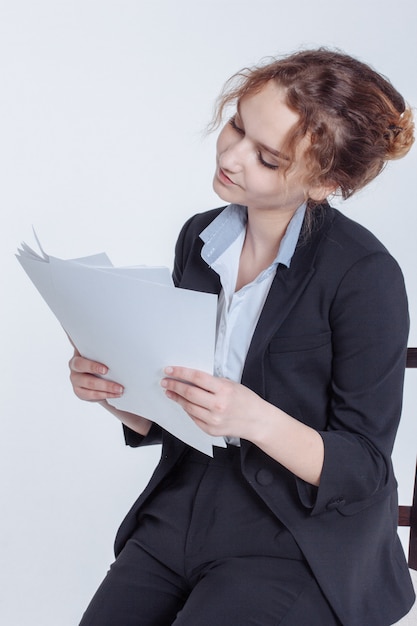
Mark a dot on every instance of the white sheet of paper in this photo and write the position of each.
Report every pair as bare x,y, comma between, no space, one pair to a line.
136,322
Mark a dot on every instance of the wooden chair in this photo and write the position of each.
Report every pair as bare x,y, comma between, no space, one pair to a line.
407,515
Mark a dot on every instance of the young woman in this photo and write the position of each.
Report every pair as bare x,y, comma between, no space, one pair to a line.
294,523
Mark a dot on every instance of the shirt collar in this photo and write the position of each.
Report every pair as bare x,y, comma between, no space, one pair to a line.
224,229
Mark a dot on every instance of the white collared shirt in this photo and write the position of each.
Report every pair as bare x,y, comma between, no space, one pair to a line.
238,311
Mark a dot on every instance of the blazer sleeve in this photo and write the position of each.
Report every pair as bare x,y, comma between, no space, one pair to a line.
181,253
369,321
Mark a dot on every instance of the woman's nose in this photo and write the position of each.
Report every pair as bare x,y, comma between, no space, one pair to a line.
232,157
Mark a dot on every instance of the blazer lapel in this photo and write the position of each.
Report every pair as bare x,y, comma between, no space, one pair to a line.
283,294
198,276
288,285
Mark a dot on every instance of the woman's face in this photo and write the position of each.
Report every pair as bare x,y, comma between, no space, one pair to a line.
249,157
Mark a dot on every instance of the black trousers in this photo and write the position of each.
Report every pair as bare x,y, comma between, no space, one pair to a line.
208,551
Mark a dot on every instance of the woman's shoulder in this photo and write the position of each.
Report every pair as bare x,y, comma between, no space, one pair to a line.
345,251
344,235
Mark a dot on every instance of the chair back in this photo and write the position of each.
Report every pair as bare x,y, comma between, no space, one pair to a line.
407,515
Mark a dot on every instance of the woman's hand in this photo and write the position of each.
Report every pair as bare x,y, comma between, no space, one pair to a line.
87,385
218,406
86,381
224,408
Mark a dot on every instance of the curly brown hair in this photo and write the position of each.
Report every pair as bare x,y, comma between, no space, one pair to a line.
354,118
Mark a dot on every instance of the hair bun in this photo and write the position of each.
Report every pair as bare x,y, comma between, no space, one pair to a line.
400,135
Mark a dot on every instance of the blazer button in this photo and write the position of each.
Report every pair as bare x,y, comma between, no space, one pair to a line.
264,477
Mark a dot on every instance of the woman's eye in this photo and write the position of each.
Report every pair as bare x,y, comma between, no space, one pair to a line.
235,127
265,163
239,130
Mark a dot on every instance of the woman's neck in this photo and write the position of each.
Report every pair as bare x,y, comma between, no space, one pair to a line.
264,233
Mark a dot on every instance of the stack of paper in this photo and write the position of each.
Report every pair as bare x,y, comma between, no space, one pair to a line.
136,322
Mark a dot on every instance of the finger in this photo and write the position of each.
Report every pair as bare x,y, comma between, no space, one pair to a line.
195,377
94,396
197,413
80,364
190,393
201,416
89,387
93,383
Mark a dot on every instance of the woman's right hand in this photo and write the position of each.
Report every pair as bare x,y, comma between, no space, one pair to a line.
86,381
87,385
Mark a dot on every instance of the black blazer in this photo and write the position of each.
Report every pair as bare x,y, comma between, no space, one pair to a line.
329,349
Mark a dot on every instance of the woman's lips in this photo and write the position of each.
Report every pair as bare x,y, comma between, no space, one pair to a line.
223,178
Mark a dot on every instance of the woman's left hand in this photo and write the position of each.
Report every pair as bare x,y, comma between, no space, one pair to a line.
224,408
218,406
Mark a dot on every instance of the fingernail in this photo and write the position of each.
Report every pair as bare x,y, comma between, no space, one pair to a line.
168,370
102,369
164,382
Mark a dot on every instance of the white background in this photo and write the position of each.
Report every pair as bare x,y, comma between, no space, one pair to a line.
103,107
